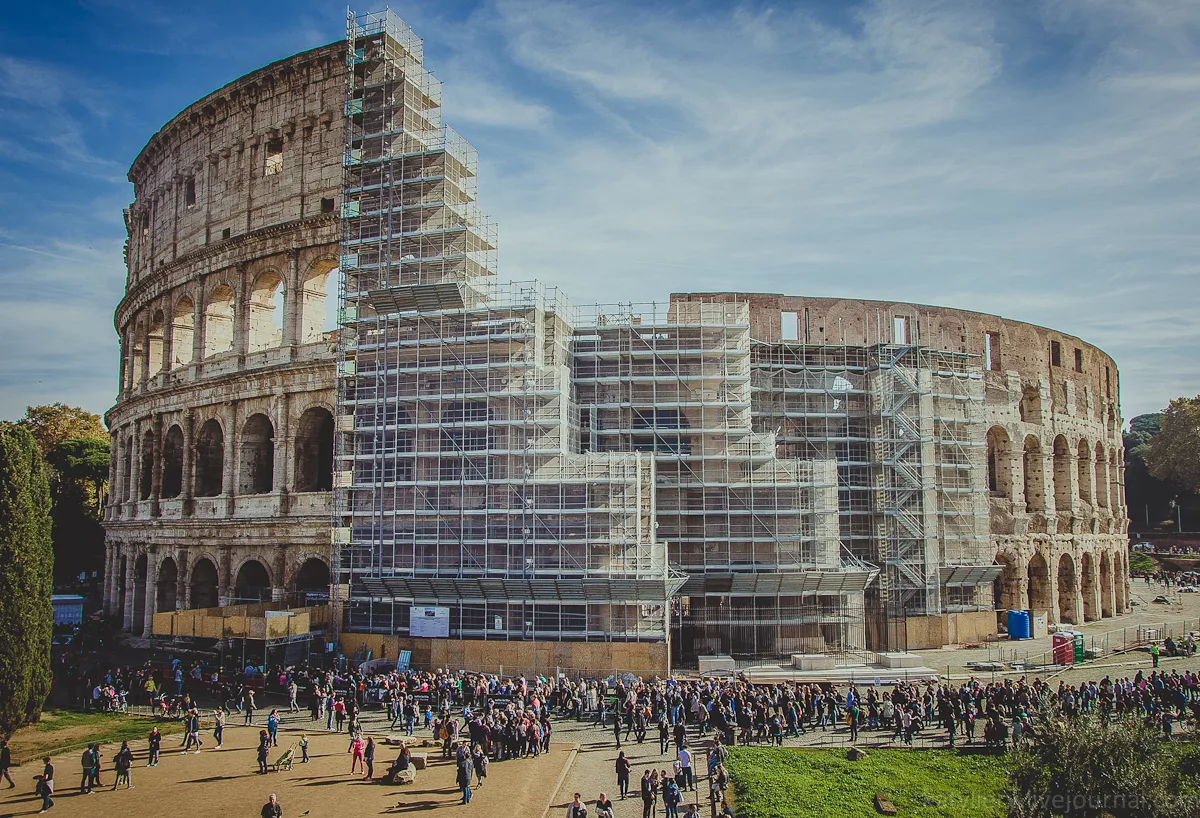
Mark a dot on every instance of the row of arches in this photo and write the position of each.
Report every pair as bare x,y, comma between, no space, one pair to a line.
1071,588
255,472
1095,472
144,589
163,338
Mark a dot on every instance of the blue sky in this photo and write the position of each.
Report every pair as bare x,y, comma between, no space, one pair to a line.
1040,160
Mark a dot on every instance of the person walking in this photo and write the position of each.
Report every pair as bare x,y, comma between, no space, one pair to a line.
218,727
369,758
86,762
647,795
685,766
1154,653
293,690
123,763
154,747
623,768
5,763
576,809
303,748
264,748
271,809
617,728
273,727
356,747
465,771
604,807
248,707
44,789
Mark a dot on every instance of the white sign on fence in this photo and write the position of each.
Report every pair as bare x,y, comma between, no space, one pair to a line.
431,621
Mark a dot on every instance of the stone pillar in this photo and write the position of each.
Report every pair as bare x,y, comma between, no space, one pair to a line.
107,605
283,448
1094,594
225,580
151,588
1022,588
130,567
157,468
1052,586
1078,590
280,572
233,447
188,489
198,326
181,581
293,301
241,313
135,479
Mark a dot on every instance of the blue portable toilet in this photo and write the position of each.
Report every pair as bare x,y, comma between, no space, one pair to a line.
1018,625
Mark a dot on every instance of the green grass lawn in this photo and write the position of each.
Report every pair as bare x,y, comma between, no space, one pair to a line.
61,729
782,783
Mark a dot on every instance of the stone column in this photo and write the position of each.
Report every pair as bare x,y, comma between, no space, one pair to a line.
1094,594
241,313
181,582
283,448
1052,586
198,326
277,587
151,588
107,605
1022,587
157,468
232,452
188,489
130,566
293,301
225,580
135,480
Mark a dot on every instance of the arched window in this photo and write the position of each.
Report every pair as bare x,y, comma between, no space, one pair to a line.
1083,462
257,472
137,348
210,459
1035,498
147,471
172,479
218,321
318,307
203,586
1101,476
253,583
1062,474
999,462
312,581
266,312
314,451
183,332
168,577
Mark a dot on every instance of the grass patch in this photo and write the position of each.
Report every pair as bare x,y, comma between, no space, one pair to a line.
782,782
60,730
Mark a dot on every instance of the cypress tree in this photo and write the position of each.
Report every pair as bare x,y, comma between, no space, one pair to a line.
26,579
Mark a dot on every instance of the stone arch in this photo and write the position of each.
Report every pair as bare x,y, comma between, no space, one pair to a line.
210,459
256,473
1034,482
1062,474
1007,588
314,450
266,311
1106,585
1068,589
999,462
139,594
218,321
172,459
1101,476
1038,576
146,473
312,577
1089,587
1083,460
252,582
183,332
155,333
168,582
205,581
317,290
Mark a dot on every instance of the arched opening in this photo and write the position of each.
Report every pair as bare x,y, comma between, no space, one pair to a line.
312,582
1031,404
314,451
172,479
257,472
203,588
1038,575
253,583
146,475
218,321
1062,475
1035,497
1006,591
1101,477
1083,460
1088,586
1106,585
183,332
266,311
127,488
999,462
154,343
139,595
1068,589
168,578
137,349
210,459
318,305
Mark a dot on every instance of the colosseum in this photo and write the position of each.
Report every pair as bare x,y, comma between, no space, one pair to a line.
326,395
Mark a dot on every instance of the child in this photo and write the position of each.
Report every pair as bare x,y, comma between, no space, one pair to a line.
428,716
303,749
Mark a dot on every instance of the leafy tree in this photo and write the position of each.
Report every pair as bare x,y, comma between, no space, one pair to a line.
84,463
1085,767
26,569
1149,499
55,423
1174,453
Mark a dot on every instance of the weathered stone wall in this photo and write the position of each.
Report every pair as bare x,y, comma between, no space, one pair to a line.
221,430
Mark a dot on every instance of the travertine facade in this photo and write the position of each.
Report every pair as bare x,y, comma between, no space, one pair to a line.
781,453
222,432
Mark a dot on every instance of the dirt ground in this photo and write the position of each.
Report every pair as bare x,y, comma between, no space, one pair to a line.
225,783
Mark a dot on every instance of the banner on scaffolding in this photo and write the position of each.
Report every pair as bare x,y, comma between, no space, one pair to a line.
429,621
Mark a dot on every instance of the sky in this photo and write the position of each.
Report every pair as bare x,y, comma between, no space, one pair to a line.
1039,159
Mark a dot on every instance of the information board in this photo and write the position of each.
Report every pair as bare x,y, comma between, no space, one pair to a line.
431,621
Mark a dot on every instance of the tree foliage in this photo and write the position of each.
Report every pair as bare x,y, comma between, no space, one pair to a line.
55,423
83,463
1086,767
1174,453
26,570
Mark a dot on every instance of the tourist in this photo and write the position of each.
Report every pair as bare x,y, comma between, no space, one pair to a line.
154,748
303,743
623,768
648,794
218,726
5,763
248,707
271,809
264,749
369,757
685,765
356,747
480,760
576,808
44,789
293,690
86,762
122,763
465,771
604,807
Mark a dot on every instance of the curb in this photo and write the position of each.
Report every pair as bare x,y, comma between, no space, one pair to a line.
561,778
